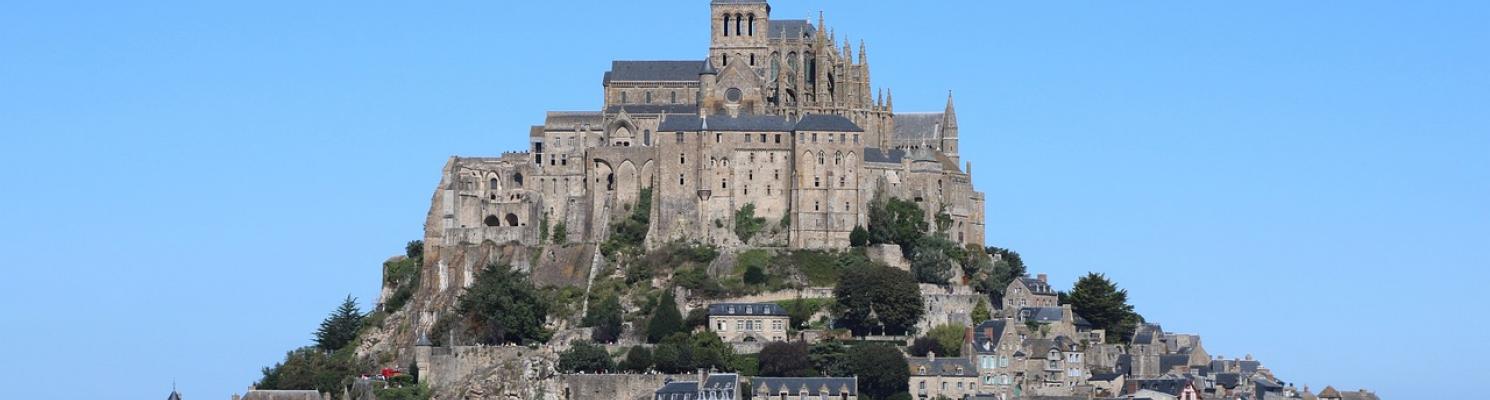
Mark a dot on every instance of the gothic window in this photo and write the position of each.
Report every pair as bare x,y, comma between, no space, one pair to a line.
838,158
738,23
623,97
752,28
820,157
726,24
647,137
492,185
675,100
511,219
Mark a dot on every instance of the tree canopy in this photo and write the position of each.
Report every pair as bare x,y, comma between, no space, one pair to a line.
605,319
1102,303
892,220
503,307
340,328
873,297
785,359
882,370
666,320
585,357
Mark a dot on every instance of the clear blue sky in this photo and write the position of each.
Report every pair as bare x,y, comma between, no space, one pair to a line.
191,187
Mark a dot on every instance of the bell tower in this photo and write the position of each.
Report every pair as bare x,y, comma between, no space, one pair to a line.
739,30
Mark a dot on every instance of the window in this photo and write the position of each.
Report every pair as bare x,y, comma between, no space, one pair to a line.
751,31
738,23
647,97
776,174
841,181
739,325
752,59
682,159
679,138
820,158
856,138
726,24
845,206
647,137
801,138
772,156
724,184
752,157
814,137
840,138
675,101
768,190
817,181
750,175
747,189
763,138
680,179
814,206
778,138
623,97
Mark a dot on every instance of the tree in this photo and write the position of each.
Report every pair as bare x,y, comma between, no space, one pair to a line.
340,328
710,352
859,237
638,359
674,354
829,358
786,359
503,307
881,369
925,345
746,223
949,338
1102,303
1008,267
585,357
605,318
799,311
931,262
874,297
310,368
561,234
896,221
414,249
755,275
666,320
981,312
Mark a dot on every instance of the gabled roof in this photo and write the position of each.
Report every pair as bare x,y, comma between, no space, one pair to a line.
677,391
835,386
826,122
769,309
721,382
1148,334
1170,386
653,108
571,120
1036,286
791,28
654,71
942,366
986,336
1042,314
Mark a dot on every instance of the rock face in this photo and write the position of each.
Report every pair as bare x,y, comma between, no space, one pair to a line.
482,372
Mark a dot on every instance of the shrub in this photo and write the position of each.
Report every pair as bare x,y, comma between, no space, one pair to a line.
666,320
605,319
561,234
785,359
585,357
859,237
746,223
503,307
638,359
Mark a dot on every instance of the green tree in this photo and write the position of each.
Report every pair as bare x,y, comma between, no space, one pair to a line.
310,368
981,312
859,237
414,249
561,234
799,311
896,221
503,307
543,229
746,223
875,297
829,358
585,357
638,359
605,318
1005,270
1102,303
710,352
925,345
932,262
949,338
755,275
882,370
785,359
674,354
666,320
340,328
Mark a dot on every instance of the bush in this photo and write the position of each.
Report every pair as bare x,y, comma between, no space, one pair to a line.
746,223
896,221
948,338
638,359
585,357
859,237
786,359
605,319
925,345
310,368
881,369
414,249
628,235
876,298
561,234
666,320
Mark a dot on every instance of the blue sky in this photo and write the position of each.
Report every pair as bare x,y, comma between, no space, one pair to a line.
192,186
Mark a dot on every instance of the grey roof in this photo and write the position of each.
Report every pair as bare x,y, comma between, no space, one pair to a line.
654,71
1249,366
281,395
826,122
653,108
1104,377
570,120
986,336
743,123
917,126
677,391
1040,348
771,309
1124,364
813,386
1167,362
1041,314
174,395
1081,322
1036,286
1148,334
942,366
875,154
791,28
1230,380
1170,386
721,382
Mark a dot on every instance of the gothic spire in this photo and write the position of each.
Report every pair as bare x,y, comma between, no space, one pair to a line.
950,115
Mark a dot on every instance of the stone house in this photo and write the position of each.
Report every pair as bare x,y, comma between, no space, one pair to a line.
932,377
749,322
992,348
1169,388
815,388
1029,292
1053,367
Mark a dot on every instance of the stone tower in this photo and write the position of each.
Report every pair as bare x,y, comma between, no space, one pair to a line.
739,32
949,131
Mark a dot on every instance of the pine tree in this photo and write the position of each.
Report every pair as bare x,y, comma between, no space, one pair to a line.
666,319
981,312
340,328
1097,299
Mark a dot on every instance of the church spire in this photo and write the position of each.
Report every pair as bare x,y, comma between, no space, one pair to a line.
863,55
949,116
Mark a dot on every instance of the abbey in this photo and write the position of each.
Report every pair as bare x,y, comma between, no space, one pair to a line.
779,116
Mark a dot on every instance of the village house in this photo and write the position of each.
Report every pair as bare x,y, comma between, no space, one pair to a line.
992,347
933,377
748,322
1026,292
707,387
815,388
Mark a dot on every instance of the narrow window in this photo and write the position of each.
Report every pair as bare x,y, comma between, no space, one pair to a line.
647,97
816,181
752,59
725,63
747,138
752,27
763,138
680,138
768,190
726,24
750,175
778,138
724,184
647,137
814,137
747,189
718,138
623,97
776,174
841,181
738,23
675,101
682,159
845,206
814,206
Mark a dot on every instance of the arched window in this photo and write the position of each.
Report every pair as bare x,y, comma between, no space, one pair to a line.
492,185
819,157
492,220
726,24
738,23
752,26
511,219
838,158
647,137
518,179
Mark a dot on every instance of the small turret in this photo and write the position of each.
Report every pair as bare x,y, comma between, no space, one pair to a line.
949,130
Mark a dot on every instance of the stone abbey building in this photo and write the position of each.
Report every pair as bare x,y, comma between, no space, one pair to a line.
778,115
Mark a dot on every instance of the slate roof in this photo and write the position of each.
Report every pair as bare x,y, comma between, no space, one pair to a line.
1249,366
1170,386
986,336
743,123
942,366
917,126
654,71
1035,285
677,391
791,28
571,120
1167,362
715,382
1041,314
653,108
1230,380
814,387
875,154
1148,334
830,123
770,309
1103,377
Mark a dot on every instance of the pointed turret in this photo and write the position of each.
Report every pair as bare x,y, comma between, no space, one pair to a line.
863,55
949,130
890,100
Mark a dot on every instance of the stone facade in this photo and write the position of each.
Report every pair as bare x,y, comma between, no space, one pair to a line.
748,322
950,377
778,116
1028,292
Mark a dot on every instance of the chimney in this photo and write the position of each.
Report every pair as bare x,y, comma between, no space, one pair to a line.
701,376
1041,277
931,356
